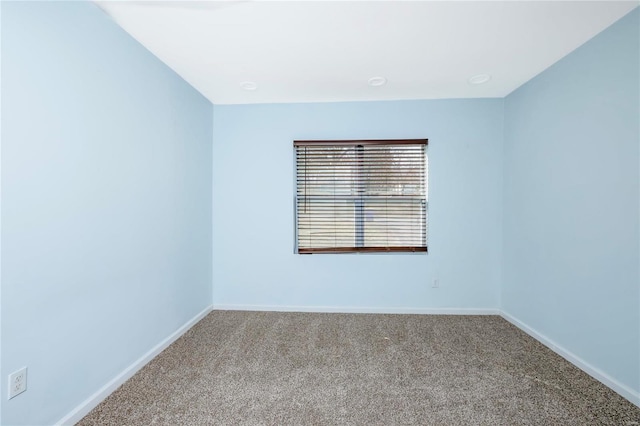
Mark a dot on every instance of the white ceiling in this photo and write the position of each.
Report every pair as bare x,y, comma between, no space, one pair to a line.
317,51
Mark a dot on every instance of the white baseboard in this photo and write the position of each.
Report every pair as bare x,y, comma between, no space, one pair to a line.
358,310
594,372
90,403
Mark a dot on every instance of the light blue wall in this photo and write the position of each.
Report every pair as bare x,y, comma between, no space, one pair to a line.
253,222
571,240
106,204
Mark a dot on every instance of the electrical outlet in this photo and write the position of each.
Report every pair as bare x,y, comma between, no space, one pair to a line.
435,283
17,382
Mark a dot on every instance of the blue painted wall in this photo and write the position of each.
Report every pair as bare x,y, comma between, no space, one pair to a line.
253,222
106,204
571,240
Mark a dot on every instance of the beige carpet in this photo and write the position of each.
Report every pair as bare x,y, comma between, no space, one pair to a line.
268,368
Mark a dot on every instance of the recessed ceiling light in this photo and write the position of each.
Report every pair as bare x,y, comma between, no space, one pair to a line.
377,81
479,79
248,85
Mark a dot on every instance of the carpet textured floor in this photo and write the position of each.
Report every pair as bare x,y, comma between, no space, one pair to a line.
275,368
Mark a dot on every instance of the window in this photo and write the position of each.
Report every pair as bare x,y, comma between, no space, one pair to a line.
361,196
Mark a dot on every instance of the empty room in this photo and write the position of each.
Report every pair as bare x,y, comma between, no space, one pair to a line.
319,212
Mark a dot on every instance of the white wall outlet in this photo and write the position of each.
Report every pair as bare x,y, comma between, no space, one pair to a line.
17,382
435,283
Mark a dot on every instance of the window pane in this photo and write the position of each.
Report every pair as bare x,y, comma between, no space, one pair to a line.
394,222
325,223
393,170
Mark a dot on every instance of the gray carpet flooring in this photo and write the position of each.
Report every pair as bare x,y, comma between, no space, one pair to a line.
270,368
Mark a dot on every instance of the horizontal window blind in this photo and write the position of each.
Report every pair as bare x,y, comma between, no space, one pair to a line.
361,196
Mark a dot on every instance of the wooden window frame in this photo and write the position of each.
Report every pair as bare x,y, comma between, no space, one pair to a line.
359,249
